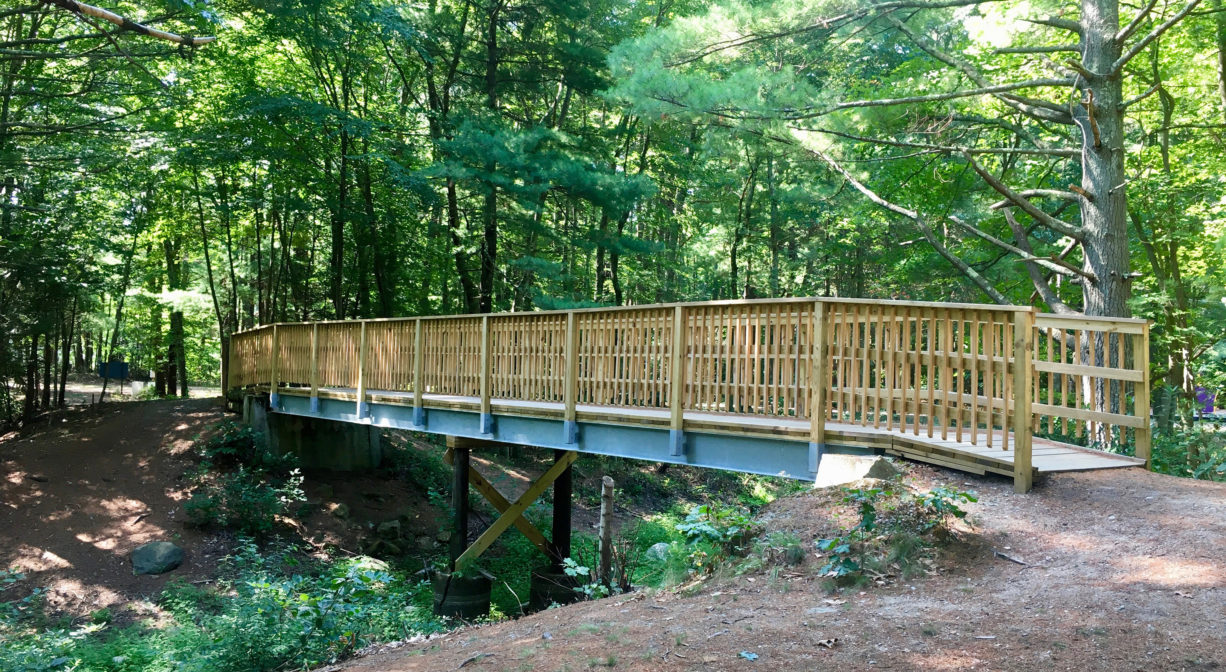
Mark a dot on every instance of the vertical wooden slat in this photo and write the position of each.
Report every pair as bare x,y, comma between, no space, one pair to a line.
974,391
891,382
930,410
961,372
1007,381
946,344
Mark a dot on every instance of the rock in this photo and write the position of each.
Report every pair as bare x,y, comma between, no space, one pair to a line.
821,610
156,557
659,552
389,530
443,536
426,542
341,511
842,469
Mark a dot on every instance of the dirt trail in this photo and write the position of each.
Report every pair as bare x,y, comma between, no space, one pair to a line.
1124,570
77,497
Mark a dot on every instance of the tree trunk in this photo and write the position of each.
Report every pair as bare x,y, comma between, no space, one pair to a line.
1104,213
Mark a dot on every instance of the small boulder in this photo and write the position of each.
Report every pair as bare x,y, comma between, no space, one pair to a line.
659,552
341,511
389,530
156,557
838,469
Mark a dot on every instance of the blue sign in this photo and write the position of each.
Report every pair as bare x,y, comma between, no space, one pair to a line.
115,370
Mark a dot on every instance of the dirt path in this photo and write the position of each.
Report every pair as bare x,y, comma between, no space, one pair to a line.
76,498
1125,571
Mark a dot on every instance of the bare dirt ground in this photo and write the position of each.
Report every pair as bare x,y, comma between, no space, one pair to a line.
77,496
1124,570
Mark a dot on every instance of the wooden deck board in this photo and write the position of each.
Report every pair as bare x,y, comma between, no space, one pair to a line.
1048,456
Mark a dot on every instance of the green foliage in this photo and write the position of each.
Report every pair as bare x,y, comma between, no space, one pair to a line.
242,485
726,527
259,618
894,530
1196,450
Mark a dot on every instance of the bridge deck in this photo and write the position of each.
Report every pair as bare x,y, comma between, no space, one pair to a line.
1048,456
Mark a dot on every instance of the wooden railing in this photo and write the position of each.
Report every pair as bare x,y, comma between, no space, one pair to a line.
925,369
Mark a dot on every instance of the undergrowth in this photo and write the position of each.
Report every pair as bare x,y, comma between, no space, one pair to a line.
895,530
271,610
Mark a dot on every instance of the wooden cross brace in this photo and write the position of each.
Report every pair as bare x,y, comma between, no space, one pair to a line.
511,513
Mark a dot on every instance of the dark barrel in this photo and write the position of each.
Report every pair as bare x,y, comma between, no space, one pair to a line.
461,596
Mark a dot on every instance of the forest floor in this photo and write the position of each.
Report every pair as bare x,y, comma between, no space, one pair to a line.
1112,570
1109,570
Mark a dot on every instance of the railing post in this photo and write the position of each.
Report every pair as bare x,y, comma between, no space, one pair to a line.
676,434
570,425
1141,358
274,399
1023,377
315,368
819,378
419,383
363,409
487,417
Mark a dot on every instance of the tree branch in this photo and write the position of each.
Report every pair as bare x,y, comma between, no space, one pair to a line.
1026,256
1136,22
1055,49
1025,204
1038,109
99,13
1041,284
1154,34
925,229
1031,193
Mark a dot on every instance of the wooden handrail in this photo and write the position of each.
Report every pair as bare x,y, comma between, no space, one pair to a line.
964,372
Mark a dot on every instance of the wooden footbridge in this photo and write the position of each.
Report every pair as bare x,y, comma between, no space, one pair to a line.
755,386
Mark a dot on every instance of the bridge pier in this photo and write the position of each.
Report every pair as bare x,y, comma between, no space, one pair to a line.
318,443
563,500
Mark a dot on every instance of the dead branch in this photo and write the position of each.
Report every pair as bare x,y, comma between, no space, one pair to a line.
111,17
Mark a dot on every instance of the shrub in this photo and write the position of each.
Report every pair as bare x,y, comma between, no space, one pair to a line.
245,501
894,530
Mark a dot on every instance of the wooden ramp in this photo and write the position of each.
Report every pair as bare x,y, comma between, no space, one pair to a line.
967,386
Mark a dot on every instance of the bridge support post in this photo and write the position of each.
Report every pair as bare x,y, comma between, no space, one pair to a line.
819,377
459,502
419,383
676,383
1023,379
563,490
315,368
570,427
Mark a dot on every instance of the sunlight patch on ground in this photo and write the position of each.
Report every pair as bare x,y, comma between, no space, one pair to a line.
943,660
33,559
1170,572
